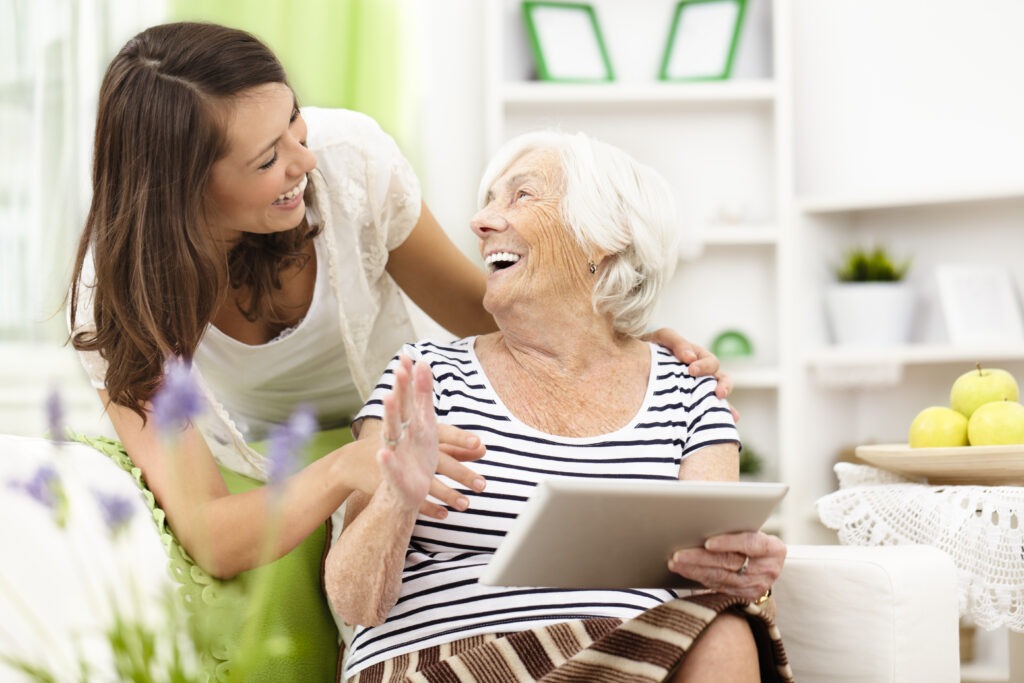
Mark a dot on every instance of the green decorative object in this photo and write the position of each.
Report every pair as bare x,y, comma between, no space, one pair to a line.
732,344
751,464
566,42
863,264
702,41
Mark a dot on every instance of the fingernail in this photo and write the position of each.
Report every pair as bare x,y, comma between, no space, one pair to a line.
461,503
441,513
473,442
479,484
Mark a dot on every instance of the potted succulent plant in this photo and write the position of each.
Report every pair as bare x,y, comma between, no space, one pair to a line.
870,304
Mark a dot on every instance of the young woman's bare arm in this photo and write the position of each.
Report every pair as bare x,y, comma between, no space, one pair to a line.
439,278
227,533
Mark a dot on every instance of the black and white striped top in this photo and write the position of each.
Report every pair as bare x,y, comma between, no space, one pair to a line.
441,599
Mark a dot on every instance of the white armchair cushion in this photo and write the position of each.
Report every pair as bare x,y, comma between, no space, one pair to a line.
60,586
878,614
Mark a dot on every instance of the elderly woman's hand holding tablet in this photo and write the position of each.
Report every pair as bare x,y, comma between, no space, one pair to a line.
578,240
744,564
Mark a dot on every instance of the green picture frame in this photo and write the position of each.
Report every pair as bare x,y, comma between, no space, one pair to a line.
566,42
702,40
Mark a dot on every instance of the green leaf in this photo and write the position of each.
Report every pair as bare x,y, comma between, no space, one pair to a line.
871,265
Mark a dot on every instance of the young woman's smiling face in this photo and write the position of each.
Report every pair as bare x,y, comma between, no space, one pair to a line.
258,185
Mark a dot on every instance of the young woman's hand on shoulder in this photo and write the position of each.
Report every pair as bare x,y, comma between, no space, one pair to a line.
700,361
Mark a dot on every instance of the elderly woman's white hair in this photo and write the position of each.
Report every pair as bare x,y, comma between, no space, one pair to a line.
614,205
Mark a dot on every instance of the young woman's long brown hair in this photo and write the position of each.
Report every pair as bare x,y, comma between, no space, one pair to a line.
158,269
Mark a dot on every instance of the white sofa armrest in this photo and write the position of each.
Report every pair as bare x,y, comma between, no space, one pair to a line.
878,614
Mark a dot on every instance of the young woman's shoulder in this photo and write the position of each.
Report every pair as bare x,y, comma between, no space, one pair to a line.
366,169
332,127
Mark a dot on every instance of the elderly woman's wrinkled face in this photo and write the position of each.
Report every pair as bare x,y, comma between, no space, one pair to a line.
530,254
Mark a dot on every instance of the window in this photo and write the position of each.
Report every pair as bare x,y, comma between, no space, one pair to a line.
52,57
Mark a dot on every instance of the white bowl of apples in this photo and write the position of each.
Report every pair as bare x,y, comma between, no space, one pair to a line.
977,439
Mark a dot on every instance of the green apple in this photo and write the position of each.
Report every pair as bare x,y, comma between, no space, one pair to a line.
938,427
977,387
997,423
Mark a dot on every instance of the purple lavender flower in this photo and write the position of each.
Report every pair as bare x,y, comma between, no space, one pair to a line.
179,399
117,510
45,488
287,441
55,414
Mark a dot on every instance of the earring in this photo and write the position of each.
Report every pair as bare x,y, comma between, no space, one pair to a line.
592,267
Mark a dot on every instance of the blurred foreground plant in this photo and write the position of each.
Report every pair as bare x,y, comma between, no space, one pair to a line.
174,646
140,645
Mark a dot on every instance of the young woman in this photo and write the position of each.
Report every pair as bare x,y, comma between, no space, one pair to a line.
268,246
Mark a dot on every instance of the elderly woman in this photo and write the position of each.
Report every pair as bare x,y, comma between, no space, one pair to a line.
578,240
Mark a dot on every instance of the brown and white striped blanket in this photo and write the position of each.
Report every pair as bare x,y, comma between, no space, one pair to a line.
644,649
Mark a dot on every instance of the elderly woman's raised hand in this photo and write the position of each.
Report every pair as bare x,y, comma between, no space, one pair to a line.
379,440
744,564
408,455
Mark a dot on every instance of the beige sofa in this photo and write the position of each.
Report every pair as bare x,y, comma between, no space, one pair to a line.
864,615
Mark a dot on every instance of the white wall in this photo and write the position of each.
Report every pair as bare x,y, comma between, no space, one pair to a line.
450,156
956,103
452,135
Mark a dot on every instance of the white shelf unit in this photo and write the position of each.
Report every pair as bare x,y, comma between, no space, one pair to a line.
849,396
716,143
725,235
847,123
907,145
818,144
632,94
900,141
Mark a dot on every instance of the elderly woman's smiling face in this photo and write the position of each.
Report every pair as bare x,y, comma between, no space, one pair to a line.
531,255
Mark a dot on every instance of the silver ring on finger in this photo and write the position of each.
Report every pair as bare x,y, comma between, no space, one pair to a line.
743,567
391,443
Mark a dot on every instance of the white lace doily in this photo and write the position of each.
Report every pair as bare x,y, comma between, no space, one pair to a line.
980,527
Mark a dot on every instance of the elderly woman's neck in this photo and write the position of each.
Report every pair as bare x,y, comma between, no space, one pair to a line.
563,345
569,377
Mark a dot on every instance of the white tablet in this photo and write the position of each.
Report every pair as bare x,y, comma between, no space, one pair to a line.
576,533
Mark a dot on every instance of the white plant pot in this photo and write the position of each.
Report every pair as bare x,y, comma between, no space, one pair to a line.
870,313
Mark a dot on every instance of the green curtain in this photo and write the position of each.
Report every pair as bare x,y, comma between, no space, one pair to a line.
356,54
